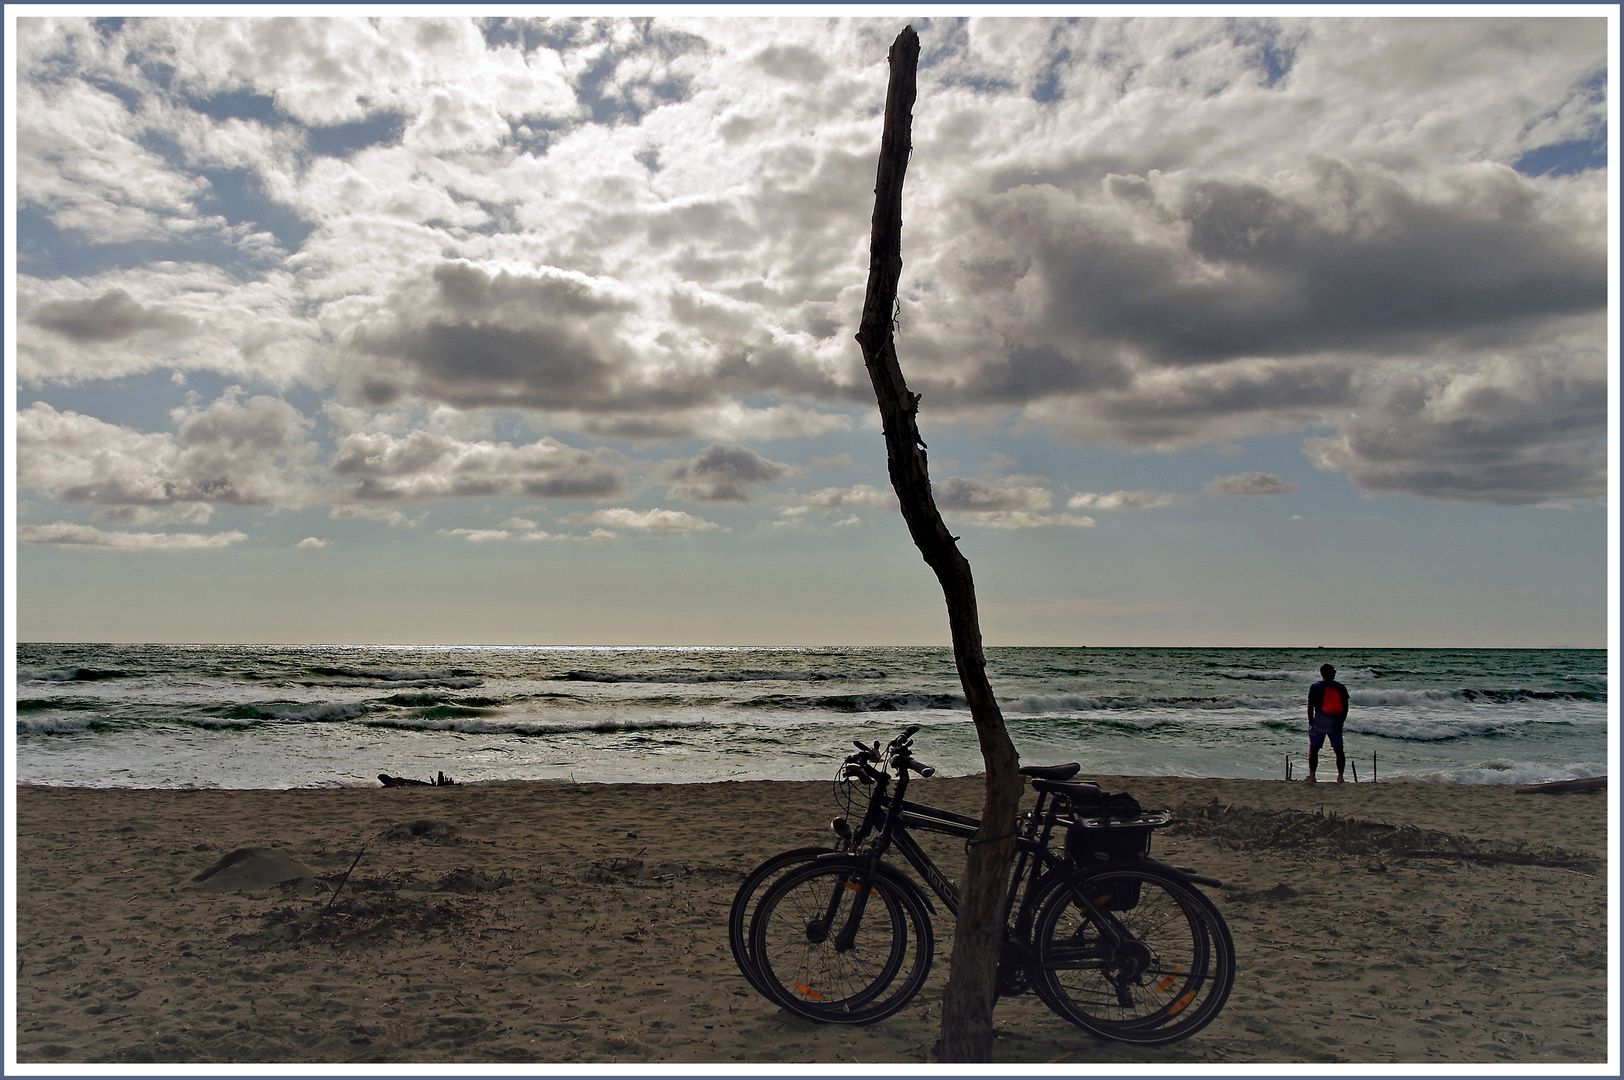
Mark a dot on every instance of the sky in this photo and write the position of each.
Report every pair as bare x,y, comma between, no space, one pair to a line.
485,330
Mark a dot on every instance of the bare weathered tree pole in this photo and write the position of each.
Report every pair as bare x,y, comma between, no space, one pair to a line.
967,1010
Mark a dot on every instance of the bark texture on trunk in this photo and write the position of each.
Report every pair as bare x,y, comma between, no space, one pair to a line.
967,1032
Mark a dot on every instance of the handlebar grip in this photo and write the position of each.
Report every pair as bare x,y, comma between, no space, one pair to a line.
905,762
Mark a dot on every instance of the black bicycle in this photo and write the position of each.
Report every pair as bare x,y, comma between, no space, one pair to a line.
1121,945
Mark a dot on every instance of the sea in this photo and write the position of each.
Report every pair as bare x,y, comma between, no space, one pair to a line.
290,716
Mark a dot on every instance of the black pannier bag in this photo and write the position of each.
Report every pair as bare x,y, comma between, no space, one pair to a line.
1110,827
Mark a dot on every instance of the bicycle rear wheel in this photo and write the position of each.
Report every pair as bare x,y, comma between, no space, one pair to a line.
748,898
797,949
1134,955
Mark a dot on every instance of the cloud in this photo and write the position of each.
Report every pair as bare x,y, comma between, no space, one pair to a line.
721,473
655,520
429,465
109,317
559,340
831,498
1506,433
1123,500
1155,233
250,452
65,534
1251,483
999,504
476,536
172,315
387,515
311,542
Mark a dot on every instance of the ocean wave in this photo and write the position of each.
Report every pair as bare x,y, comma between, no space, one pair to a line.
1489,696
1426,729
295,712
1502,772
857,703
1137,725
1085,703
450,682
70,674
423,701
388,676
1263,676
740,675
66,703
60,725
533,726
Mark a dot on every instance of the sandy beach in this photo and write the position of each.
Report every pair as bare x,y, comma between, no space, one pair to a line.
571,923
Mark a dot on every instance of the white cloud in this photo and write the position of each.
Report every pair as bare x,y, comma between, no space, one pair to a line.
311,542
831,498
66,534
426,465
1250,483
1123,500
1000,504
476,536
655,520
250,453
387,515
1151,232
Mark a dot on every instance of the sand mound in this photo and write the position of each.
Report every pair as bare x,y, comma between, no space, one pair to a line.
257,869
1253,829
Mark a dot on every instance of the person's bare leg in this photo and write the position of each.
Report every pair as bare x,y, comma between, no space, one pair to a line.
1340,763
1313,764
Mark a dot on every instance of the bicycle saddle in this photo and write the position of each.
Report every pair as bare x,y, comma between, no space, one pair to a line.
1085,792
1051,772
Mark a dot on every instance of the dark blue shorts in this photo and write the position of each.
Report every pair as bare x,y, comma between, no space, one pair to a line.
1323,727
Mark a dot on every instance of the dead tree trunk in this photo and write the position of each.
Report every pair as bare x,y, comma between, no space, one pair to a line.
967,1009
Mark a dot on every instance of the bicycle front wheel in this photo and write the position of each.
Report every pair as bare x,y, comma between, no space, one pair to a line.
748,898
1134,955
830,949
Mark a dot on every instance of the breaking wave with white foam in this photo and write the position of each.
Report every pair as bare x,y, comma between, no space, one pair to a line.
274,716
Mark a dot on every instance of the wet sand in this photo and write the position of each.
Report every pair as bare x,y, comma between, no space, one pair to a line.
574,923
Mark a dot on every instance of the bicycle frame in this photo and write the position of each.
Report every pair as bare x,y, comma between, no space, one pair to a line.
892,816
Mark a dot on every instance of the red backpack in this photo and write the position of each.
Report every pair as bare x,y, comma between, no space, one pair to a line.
1332,701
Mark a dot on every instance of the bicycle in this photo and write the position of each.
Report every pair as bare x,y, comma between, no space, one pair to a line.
1117,943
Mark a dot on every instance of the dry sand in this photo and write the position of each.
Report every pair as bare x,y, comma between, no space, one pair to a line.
558,922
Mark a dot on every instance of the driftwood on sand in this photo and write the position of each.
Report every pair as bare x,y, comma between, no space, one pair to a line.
440,780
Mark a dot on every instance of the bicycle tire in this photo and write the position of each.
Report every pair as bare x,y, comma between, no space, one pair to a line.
1151,974
748,898
793,944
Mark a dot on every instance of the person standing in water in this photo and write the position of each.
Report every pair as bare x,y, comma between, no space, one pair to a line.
1327,709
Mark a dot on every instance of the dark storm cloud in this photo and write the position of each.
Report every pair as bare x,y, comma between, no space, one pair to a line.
1355,262
109,317
721,473
1511,434
1210,403
558,341
1027,373
472,339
